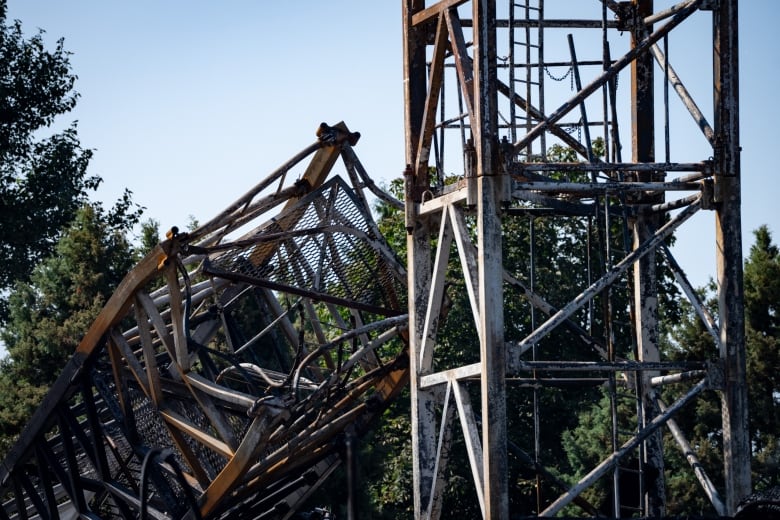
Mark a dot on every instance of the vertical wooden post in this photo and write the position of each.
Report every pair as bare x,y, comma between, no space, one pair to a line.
491,302
645,278
736,440
418,260
424,433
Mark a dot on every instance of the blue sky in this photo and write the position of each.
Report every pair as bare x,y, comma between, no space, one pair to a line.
189,103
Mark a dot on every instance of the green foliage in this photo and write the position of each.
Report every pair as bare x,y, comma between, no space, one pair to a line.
687,339
762,285
192,223
762,303
591,440
62,256
50,313
43,179
150,235
18,401
387,452
390,220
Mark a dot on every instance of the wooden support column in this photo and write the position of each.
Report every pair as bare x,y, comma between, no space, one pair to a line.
645,278
490,270
424,433
736,440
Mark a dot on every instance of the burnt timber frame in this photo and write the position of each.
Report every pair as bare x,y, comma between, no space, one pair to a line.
460,36
225,371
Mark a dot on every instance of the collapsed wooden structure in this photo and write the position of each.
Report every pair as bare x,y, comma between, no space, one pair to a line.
223,374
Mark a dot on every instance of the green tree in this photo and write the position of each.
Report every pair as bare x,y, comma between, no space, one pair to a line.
43,179
762,317
150,235
50,313
689,340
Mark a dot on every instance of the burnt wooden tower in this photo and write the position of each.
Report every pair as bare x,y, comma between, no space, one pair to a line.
482,109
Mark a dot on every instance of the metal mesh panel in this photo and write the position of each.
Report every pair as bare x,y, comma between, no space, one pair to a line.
211,461
154,432
324,246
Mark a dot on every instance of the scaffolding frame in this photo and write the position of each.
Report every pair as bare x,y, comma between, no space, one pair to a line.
502,176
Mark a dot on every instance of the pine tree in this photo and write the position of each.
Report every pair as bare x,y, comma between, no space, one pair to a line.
50,313
762,308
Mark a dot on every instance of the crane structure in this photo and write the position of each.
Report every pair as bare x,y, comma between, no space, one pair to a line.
481,100
231,368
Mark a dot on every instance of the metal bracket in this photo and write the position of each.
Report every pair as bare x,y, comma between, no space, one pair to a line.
716,379
708,5
626,16
333,134
708,194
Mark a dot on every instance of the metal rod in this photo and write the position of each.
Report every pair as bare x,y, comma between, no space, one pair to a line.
728,236
551,23
220,219
612,275
606,366
528,84
677,378
705,167
578,84
602,187
667,206
685,96
350,444
664,14
665,67
690,455
541,72
706,317
597,472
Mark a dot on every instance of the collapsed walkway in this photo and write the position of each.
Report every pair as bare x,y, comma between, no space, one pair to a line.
220,375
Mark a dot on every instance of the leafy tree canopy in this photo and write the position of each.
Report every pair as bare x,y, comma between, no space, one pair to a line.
43,179
50,313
